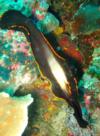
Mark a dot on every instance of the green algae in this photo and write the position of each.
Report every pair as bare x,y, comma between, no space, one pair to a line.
90,15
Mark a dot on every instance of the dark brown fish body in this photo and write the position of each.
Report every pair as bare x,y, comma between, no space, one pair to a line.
50,63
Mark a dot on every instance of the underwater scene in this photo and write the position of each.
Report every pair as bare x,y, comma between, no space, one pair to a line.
49,67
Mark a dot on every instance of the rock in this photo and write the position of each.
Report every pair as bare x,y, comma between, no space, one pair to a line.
25,6
87,19
13,114
48,24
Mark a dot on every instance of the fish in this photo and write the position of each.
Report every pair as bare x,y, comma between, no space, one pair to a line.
51,65
69,52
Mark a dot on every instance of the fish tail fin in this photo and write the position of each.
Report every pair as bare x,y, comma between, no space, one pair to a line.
73,103
78,115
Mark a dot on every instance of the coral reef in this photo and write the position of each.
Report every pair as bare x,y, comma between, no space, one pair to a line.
75,27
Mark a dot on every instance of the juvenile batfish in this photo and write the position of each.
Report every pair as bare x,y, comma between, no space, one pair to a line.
50,63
